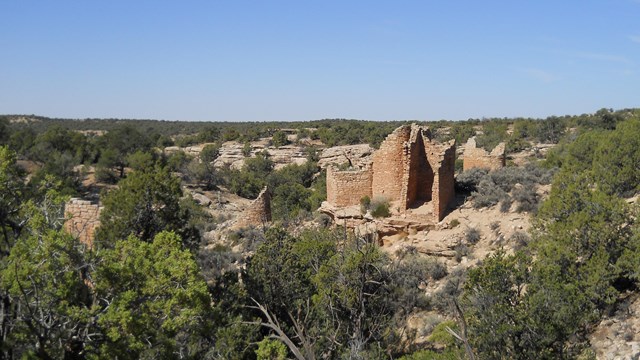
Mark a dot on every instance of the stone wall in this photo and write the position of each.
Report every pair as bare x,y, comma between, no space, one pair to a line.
258,212
389,163
444,159
418,174
82,217
475,157
345,188
410,167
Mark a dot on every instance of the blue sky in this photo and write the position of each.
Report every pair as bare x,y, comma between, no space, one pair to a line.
304,60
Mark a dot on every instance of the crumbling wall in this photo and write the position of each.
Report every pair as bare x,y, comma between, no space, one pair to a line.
345,188
410,167
443,160
82,217
389,163
475,157
418,172
258,212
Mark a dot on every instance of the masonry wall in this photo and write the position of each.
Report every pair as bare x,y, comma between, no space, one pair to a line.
258,212
443,158
409,167
418,172
345,188
475,157
82,219
389,163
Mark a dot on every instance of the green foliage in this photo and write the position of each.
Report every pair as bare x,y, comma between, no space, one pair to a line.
43,276
249,181
145,204
141,160
177,161
246,149
12,192
586,250
493,132
472,235
379,206
271,350
290,201
468,181
279,138
210,153
354,288
4,131
123,141
616,159
588,231
46,303
365,204
550,130
209,134
156,298
496,309
506,185
461,132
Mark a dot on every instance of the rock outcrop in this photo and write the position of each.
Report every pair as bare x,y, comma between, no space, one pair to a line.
618,336
357,155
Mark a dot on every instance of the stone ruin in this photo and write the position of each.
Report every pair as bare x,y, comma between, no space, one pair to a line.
475,157
82,217
409,168
258,212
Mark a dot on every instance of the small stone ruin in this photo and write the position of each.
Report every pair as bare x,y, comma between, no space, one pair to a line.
475,157
82,217
409,169
258,212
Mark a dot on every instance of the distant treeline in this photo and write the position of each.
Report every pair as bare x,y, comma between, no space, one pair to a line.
334,132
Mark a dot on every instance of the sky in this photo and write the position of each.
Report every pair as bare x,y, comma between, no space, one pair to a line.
286,60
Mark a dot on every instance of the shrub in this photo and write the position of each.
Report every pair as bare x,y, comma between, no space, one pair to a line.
472,235
461,251
458,166
520,240
488,194
380,207
323,220
527,199
454,223
494,225
365,204
467,181
271,350
505,204
279,139
246,149
105,175
451,289
437,270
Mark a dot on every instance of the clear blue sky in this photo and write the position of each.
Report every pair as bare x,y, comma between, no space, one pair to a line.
237,60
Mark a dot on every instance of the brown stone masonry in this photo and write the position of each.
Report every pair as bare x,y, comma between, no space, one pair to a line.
475,157
258,212
410,167
82,217
346,188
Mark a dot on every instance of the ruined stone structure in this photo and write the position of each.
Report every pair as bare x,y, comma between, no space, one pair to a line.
475,157
82,217
347,187
410,168
258,212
